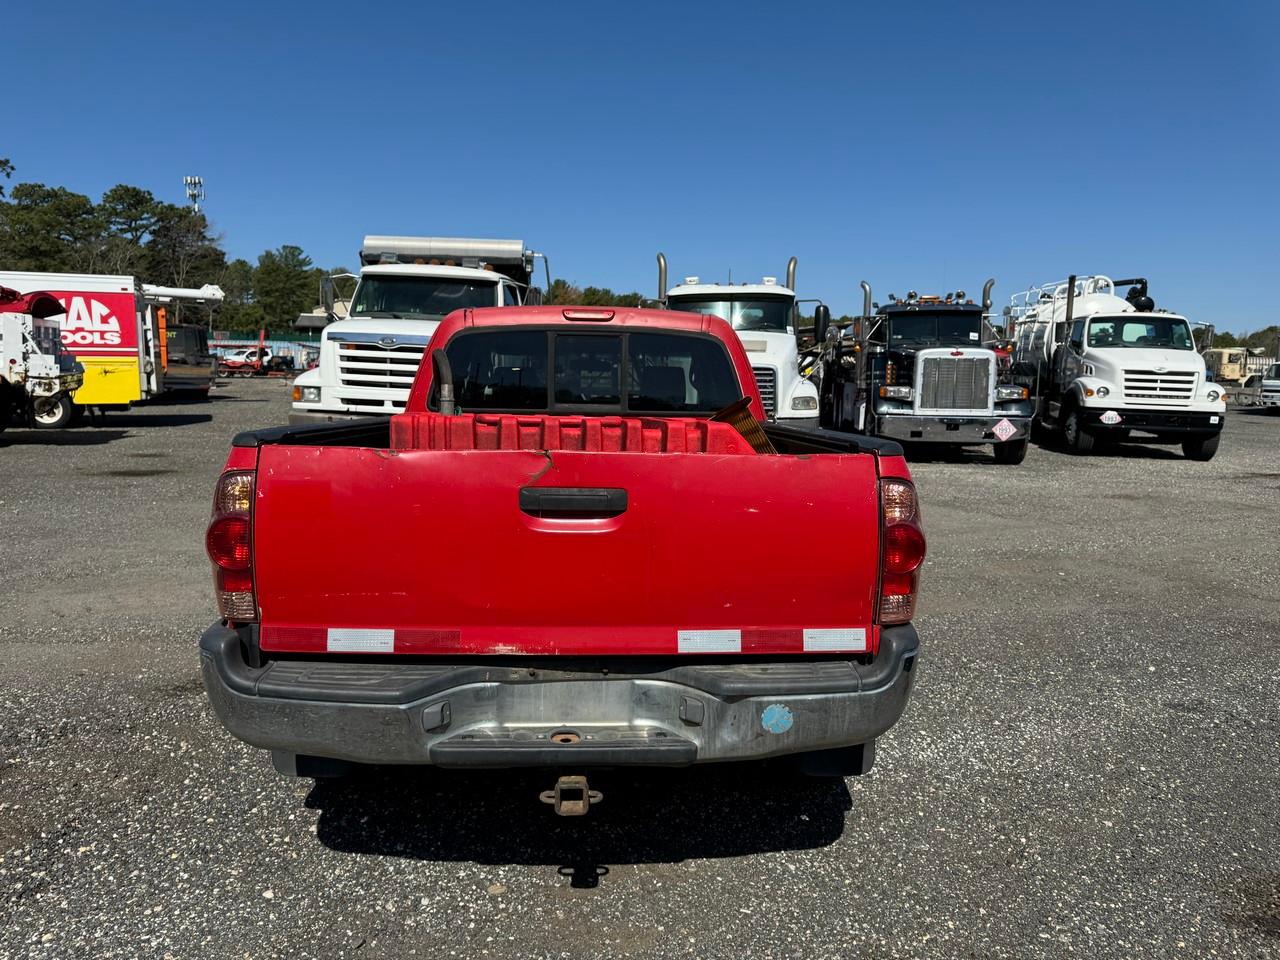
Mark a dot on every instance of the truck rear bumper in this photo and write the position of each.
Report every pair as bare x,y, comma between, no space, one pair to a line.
518,712
935,428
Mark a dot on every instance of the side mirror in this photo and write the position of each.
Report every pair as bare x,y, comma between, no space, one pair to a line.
326,295
821,323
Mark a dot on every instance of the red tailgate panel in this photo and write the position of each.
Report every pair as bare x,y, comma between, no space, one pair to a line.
429,552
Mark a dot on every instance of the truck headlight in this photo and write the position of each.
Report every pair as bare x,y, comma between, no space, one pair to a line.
1007,391
306,394
804,403
896,393
1103,391
1213,395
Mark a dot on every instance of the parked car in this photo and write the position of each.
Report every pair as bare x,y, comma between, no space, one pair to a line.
554,557
244,362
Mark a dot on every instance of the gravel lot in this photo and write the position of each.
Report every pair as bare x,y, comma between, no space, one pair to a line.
1088,767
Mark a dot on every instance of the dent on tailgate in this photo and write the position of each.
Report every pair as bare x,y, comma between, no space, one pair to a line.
429,552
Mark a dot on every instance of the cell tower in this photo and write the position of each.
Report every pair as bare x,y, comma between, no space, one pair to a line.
195,190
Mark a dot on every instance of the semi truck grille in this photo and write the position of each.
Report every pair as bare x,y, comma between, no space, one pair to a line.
1168,389
955,383
370,365
767,381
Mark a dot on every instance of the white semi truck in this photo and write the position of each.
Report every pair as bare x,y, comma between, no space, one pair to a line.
1104,367
764,315
407,286
37,375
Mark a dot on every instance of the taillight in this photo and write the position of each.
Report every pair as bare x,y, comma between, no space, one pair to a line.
229,543
902,549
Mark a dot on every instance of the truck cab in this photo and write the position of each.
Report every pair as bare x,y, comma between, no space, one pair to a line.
1269,392
407,286
926,370
1105,367
37,374
764,316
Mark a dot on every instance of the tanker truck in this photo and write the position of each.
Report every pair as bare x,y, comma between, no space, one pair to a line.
1108,369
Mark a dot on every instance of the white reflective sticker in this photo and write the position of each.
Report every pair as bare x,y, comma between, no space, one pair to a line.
709,641
1213,419
836,638
973,336
1004,429
1110,417
347,640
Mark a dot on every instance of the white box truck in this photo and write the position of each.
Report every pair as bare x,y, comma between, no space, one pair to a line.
407,286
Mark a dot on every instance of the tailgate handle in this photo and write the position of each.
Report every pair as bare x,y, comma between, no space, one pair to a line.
573,503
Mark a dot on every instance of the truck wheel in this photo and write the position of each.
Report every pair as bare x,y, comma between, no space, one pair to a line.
56,415
1011,452
1202,448
1078,439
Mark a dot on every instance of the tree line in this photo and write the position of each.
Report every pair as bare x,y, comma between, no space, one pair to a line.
129,231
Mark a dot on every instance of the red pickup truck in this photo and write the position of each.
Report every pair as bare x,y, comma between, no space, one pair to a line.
560,554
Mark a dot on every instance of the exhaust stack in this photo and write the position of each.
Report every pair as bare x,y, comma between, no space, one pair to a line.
866,297
986,293
1060,338
791,274
662,277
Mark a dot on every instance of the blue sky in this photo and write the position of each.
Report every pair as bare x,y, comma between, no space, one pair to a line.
921,145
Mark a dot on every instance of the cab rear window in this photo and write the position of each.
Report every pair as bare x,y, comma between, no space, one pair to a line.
529,370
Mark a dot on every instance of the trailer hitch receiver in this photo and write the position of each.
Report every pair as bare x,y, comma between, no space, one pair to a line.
571,796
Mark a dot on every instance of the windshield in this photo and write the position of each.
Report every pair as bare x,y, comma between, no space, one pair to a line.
419,298
943,328
763,313
1274,372
1140,330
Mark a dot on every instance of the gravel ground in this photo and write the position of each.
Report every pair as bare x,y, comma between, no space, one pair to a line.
1088,766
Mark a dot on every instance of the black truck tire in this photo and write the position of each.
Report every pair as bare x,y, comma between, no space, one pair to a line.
1078,439
1011,452
57,416
1201,448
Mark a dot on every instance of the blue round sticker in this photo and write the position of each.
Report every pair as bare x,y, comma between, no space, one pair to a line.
777,718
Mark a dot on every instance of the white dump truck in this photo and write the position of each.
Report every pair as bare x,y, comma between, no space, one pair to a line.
407,286
37,375
1104,367
764,315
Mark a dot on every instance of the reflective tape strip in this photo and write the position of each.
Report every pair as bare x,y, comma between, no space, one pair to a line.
345,640
836,639
709,641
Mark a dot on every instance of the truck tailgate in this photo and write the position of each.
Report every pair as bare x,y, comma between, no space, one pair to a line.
439,552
